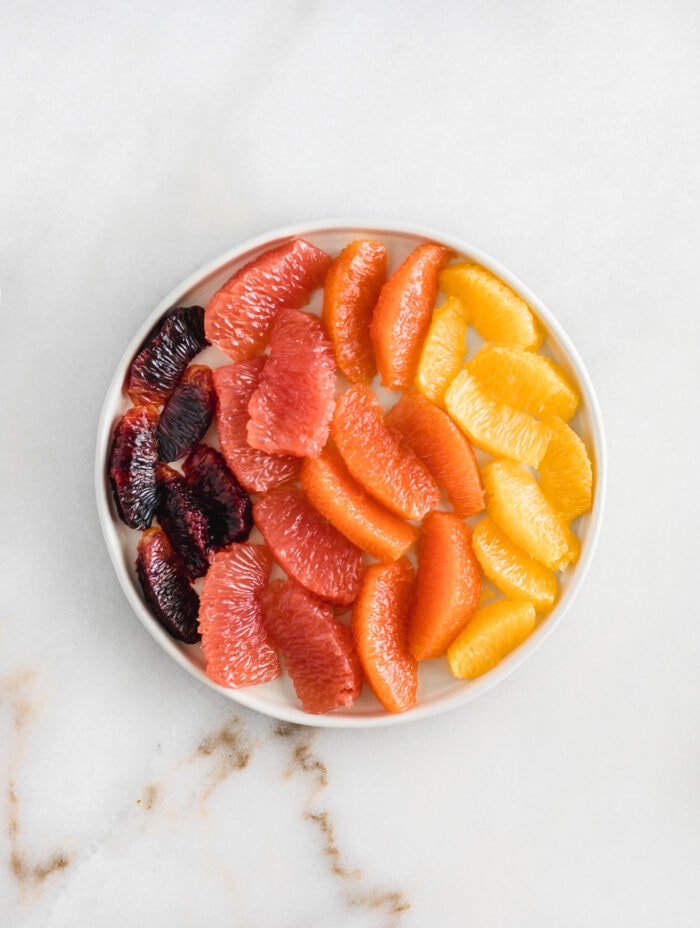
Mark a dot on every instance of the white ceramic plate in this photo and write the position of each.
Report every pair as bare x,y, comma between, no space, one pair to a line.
438,690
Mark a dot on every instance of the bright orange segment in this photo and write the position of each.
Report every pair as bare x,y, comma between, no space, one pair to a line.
443,350
350,294
402,315
448,585
493,632
566,474
386,467
443,448
379,625
331,488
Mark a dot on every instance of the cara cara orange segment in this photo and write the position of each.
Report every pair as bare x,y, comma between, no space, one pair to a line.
443,351
443,448
566,473
448,585
376,457
496,312
493,632
402,315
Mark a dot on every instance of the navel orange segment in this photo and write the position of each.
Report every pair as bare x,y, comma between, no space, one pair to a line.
566,473
443,448
349,297
492,633
496,312
448,585
376,457
443,351
402,315
495,426
331,488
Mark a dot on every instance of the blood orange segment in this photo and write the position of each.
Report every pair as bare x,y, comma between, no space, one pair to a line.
448,585
236,645
379,624
386,467
402,315
166,586
238,317
307,547
187,413
225,502
256,470
493,632
350,294
332,489
566,473
184,521
318,652
291,409
443,448
132,466
443,350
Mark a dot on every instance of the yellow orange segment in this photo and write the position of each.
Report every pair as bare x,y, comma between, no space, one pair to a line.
566,473
331,488
515,573
493,632
516,503
496,312
443,350
526,380
495,426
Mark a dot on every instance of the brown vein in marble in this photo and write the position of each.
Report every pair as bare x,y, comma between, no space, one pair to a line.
393,904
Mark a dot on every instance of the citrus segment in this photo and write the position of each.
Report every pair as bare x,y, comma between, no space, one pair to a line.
566,474
492,425
402,315
166,586
307,547
377,458
349,296
291,408
493,632
239,315
379,626
525,379
496,312
318,652
133,459
443,350
331,488
517,504
256,470
514,572
448,585
236,646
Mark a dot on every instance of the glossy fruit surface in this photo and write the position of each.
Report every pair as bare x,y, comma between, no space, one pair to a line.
443,351
166,587
132,466
349,297
256,470
187,413
184,522
318,652
156,369
307,547
240,314
291,408
236,645
566,473
492,633
379,624
224,501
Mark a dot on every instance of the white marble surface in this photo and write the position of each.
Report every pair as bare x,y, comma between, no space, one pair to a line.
140,140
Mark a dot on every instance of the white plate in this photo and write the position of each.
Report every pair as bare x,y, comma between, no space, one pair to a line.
438,690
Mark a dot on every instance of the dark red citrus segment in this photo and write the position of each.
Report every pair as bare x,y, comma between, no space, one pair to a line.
291,409
307,547
187,413
236,645
317,650
256,470
132,466
222,498
184,521
166,587
162,359
239,315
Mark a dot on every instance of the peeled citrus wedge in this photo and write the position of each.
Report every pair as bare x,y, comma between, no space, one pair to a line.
525,379
443,350
494,631
496,312
566,474
516,503
514,572
492,425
